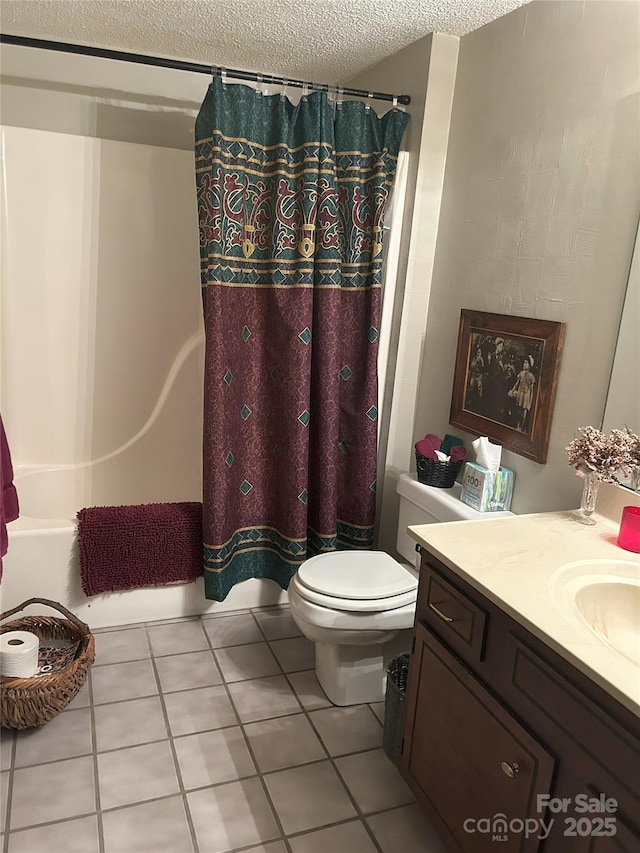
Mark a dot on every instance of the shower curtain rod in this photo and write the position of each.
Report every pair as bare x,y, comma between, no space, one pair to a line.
194,67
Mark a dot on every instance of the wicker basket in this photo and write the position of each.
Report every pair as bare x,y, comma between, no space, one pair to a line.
432,472
394,706
31,702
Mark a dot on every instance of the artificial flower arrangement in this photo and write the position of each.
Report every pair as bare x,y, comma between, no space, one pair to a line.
634,449
607,456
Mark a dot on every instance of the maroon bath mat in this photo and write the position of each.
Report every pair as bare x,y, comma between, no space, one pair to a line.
130,547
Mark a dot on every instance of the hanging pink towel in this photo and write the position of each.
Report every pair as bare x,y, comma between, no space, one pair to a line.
130,547
9,509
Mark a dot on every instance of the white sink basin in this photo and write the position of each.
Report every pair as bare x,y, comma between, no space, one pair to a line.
603,598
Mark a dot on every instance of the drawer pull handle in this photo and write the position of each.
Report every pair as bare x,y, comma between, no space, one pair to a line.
440,613
510,769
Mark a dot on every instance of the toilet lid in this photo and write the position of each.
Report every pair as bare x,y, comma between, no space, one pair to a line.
357,576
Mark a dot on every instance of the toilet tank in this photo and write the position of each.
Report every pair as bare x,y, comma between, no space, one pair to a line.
420,504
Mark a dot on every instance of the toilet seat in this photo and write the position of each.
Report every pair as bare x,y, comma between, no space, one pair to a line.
311,618
356,581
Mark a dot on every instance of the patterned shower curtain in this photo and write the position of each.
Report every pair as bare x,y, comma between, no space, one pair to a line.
291,202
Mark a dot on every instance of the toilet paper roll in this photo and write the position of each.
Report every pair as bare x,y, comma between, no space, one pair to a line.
18,654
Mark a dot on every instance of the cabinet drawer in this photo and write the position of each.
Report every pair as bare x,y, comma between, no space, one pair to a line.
459,621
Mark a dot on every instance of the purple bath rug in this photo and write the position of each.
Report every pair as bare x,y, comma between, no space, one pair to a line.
130,547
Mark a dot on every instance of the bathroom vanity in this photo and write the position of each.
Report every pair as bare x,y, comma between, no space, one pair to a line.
522,711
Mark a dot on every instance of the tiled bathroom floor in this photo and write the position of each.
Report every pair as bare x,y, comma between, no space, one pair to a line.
205,735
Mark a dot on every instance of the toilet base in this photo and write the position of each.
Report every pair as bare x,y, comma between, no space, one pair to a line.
351,675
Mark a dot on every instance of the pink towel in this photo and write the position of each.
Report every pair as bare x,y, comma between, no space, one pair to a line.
457,453
130,547
425,447
9,509
436,441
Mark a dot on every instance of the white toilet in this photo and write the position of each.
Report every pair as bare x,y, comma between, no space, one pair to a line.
358,606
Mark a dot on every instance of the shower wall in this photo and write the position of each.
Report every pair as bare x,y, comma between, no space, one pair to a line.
101,331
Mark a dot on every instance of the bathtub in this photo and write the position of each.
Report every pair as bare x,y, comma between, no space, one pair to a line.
101,386
43,561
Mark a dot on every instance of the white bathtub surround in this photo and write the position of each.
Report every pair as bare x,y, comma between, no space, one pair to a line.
102,348
101,319
101,336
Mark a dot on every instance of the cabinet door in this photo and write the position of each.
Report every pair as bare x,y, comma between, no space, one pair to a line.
591,832
466,757
622,842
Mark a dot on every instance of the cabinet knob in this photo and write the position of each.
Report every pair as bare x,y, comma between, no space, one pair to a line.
510,769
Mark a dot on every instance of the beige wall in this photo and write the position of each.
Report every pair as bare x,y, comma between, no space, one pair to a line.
540,207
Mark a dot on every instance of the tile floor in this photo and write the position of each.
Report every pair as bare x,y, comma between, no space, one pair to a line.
205,735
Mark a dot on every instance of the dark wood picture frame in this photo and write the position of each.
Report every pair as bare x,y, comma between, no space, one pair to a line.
505,378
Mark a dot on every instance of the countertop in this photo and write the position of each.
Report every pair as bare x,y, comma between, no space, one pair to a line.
526,565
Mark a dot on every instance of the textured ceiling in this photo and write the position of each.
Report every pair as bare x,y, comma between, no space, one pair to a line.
323,40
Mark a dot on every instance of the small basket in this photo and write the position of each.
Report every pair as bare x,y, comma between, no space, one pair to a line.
397,671
432,472
32,702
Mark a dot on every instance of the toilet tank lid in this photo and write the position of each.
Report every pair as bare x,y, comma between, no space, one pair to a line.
356,575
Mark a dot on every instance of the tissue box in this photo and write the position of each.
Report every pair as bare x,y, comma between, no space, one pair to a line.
487,491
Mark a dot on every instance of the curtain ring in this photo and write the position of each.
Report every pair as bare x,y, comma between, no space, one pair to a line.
332,94
339,99
223,76
283,93
367,106
395,101
259,90
215,72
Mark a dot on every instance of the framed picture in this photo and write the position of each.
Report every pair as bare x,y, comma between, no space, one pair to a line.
504,384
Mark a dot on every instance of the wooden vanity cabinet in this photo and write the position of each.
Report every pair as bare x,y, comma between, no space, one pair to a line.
494,718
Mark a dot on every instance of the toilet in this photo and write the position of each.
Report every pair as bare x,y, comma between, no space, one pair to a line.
358,606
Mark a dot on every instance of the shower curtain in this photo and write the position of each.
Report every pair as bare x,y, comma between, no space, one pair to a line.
291,202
